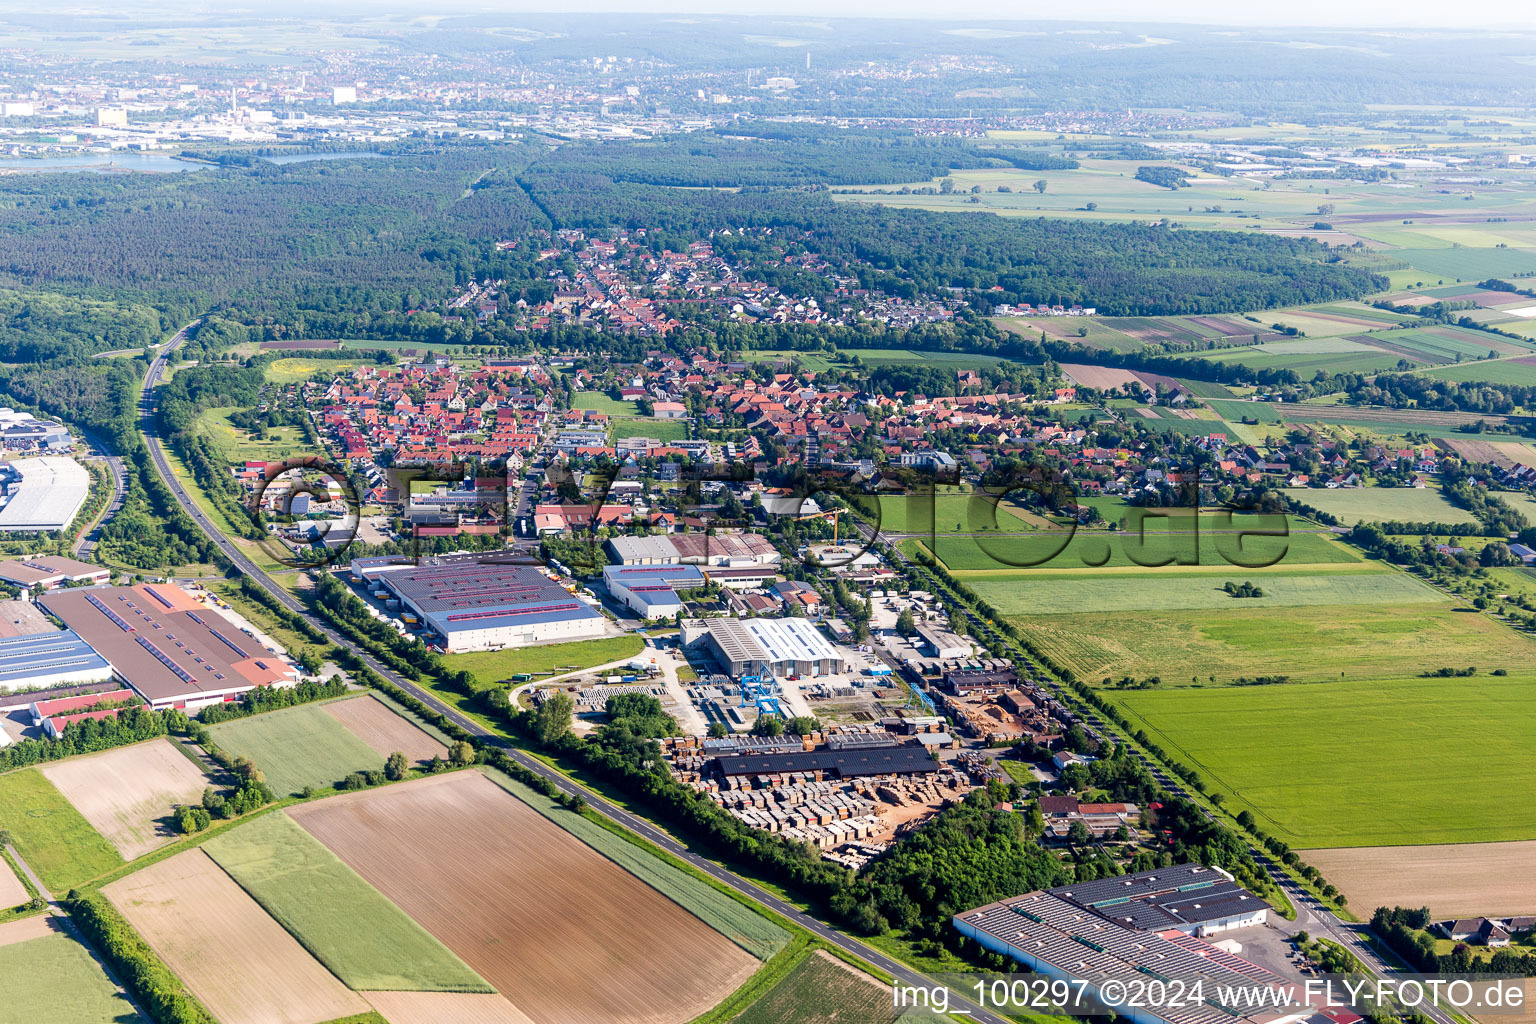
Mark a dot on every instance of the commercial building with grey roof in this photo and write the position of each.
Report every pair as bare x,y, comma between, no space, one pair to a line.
481,606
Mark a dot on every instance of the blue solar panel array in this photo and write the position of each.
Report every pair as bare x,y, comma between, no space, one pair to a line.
109,613
165,660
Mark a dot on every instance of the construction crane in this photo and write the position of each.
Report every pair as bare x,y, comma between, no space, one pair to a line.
832,514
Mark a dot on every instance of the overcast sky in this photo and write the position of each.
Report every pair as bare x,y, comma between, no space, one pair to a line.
1351,13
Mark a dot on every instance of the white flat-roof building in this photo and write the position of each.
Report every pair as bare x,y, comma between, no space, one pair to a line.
774,647
650,591
42,493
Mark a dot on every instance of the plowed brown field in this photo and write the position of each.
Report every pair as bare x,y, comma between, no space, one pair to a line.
563,933
1462,880
242,964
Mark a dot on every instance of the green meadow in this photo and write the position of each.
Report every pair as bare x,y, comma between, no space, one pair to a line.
1360,763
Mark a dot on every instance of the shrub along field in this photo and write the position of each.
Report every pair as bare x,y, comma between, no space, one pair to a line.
365,940
51,836
1361,763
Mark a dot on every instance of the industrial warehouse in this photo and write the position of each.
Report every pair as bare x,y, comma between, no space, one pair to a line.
170,648
738,550
57,658
42,494
1150,923
650,591
471,605
781,648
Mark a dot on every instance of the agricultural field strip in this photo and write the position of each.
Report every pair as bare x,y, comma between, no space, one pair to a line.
1458,880
128,794
298,746
54,838
1362,641
823,990
53,979
544,918
235,958
13,893
1067,595
1362,762
743,926
378,725
446,1008
349,926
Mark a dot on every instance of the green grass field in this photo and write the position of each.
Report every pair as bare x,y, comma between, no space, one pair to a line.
1470,263
1491,371
295,368
823,990
297,747
644,426
51,836
1376,504
1216,544
599,402
1072,593
1365,763
238,445
1306,357
947,512
491,667
741,924
352,928
55,981
1307,643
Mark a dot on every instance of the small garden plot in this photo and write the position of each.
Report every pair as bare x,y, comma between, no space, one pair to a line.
371,721
297,747
234,958
128,794
51,836
54,980
365,940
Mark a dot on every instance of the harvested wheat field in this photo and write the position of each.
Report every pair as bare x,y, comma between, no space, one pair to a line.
127,794
29,928
242,964
12,892
445,1008
386,732
541,916
1461,880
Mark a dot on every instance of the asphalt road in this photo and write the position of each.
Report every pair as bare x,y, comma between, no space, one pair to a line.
634,823
87,542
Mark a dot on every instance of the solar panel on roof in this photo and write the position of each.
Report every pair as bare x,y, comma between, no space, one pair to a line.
109,613
165,660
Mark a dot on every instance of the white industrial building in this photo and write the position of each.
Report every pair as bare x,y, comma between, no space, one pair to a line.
727,550
42,660
772,647
42,493
650,591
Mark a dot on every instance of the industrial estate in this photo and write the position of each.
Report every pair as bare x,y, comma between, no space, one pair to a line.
559,519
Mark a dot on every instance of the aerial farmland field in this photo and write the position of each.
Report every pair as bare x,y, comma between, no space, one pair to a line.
363,939
297,747
1363,762
232,956
1361,641
371,721
542,917
1453,880
824,990
63,983
128,794
1375,504
53,837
